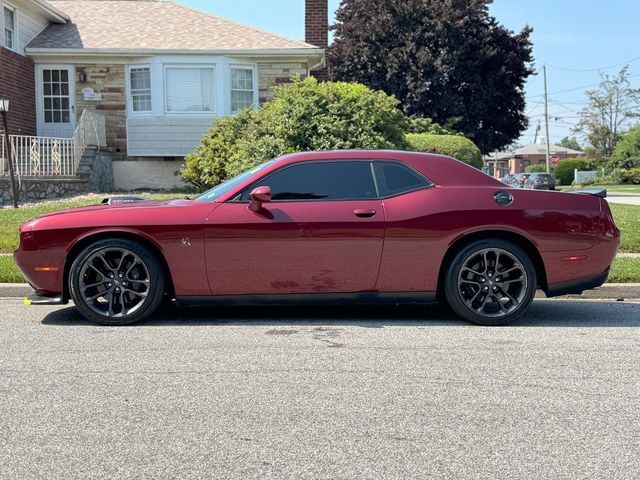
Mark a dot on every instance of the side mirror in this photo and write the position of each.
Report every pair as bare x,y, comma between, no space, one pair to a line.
259,195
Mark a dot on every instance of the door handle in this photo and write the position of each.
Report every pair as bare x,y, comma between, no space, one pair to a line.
363,213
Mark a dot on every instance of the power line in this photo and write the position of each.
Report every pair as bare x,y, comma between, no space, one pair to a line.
595,69
562,105
574,89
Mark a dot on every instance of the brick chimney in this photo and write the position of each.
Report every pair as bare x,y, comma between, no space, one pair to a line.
316,22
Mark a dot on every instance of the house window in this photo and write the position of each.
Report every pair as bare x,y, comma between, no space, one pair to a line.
242,88
10,28
140,78
190,89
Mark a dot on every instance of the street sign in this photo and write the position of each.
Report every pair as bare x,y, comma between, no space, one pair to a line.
555,159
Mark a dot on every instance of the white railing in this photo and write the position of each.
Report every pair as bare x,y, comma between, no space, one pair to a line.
49,156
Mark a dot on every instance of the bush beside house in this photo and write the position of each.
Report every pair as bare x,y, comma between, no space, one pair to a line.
311,115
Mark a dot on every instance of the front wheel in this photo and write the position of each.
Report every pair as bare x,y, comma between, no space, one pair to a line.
116,282
490,282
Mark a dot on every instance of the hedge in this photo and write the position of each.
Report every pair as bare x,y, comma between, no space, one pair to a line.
456,146
565,170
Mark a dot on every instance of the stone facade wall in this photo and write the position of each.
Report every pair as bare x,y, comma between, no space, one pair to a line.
98,168
277,72
33,189
95,175
17,84
109,80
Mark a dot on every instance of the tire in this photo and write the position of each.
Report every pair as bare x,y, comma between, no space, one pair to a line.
504,294
116,282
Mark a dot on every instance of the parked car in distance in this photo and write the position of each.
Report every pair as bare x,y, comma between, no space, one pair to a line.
522,180
509,179
542,181
319,227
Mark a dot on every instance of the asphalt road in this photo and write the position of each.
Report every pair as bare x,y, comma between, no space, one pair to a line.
339,393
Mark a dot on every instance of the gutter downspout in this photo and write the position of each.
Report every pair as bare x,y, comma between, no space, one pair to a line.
317,66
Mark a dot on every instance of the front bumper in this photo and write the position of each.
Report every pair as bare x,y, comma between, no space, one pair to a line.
35,299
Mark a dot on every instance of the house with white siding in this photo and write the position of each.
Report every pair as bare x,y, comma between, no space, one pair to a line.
155,72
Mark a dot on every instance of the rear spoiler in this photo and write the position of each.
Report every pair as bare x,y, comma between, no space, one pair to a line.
122,199
602,193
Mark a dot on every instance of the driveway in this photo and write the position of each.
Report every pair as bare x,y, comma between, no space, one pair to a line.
343,393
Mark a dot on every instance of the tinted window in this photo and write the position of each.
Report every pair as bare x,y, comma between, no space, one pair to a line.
394,178
219,190
320,181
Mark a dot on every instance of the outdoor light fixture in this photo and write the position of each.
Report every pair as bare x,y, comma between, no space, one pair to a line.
4,108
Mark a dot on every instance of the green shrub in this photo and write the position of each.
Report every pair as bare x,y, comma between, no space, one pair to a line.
456,146
537,168
207,166
426,125
307,115
629,176
627,152
565,169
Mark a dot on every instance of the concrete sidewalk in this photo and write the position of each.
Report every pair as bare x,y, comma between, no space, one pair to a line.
609,291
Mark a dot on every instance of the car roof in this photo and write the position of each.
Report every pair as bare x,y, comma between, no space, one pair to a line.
441,169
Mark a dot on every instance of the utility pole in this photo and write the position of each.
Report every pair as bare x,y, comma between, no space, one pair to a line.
546,119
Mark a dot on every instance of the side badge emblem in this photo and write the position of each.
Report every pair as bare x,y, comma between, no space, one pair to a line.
186,242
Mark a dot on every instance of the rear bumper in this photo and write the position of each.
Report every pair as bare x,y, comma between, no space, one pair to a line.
576,287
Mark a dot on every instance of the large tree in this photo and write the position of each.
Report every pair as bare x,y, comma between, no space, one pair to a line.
448,60
570,143
612,108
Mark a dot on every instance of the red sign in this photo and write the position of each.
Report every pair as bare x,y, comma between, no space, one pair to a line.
554,160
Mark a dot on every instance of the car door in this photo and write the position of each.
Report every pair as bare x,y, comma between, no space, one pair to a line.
321,233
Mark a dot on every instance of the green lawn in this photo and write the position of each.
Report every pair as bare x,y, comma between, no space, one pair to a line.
625,270
627,218
9,273
11,219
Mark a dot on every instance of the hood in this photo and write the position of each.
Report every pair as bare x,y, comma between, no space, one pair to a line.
120,206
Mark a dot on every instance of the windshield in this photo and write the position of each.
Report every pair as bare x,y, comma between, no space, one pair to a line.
219,190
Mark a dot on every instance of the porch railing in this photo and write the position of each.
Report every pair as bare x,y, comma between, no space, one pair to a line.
51,156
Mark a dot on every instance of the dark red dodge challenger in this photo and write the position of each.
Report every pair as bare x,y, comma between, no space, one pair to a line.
343,226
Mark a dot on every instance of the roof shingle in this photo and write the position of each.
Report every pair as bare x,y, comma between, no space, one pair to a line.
151,25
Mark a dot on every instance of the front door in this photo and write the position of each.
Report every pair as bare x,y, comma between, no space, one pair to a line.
55,86
322,233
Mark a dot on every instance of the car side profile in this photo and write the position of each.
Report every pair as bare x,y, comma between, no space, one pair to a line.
340,226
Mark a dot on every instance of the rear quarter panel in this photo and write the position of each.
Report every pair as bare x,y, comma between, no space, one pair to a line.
422,225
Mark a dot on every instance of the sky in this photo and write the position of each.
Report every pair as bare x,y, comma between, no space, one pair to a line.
575,38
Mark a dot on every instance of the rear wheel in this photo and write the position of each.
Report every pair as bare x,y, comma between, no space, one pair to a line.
116,282
490,282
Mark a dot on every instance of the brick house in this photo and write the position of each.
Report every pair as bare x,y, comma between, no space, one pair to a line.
499,164
157,71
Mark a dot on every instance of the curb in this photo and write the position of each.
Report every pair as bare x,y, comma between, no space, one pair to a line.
15,290
608,291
